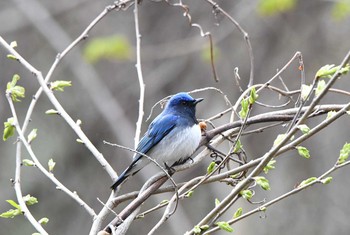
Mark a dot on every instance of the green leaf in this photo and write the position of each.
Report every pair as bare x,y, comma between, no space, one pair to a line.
30,200
327,180
217,202
60,85
164,202
11,213
307,181
269,166
32,135
197,229
304,128
238,213
9,128
13,44
244,109
305,91
14,90
330,114
204,227
329,70
51,165
273,7
11,57
238,146
115,47
51,112
211,167
320,87
13,203
189,194
341,10
304,152
279,139
224,226
262,182
246,194
253,96
28,162
43,220
344,154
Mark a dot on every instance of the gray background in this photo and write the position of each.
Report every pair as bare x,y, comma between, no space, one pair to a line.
105,97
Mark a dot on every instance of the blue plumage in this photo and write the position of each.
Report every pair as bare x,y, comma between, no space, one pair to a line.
171,138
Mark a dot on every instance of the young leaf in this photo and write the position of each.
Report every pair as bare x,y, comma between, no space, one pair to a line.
51,111
246,194
269,166
305,91
60,85
51,165
344,154
43,220
13,203
238,146
224,226
211,167
253,96
189,194
14,90
27,162
330,114
329,70
32,135
307,181
30,200
320,87
327,180
164,202
279,139
262,182
13,44
11,57
303,128
10,213
244,108
204,227
304,152
217,202
238,213
197,229
9,128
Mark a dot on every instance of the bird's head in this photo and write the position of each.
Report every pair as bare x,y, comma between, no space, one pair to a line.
183,103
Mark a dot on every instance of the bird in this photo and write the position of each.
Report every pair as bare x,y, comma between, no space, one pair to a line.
171,138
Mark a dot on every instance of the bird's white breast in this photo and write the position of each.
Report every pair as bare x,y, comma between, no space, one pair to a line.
177,145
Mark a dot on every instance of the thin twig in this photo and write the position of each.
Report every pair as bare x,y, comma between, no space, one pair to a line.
139,75
61,110
17,183
245,35
288,194
49,175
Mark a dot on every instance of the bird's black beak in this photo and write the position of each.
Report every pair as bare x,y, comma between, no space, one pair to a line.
198,100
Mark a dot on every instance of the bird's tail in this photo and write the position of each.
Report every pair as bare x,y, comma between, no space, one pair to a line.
130,171
120,180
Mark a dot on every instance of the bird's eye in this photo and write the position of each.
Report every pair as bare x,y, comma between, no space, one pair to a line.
184,103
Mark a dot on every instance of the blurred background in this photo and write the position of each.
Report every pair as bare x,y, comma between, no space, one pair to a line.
105,95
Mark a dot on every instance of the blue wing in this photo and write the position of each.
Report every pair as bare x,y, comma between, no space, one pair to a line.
158,129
